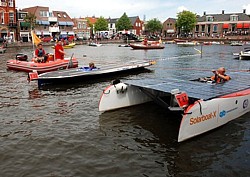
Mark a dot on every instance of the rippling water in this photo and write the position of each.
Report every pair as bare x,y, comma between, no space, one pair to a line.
60,132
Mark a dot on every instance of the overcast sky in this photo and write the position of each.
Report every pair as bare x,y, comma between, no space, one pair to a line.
160,9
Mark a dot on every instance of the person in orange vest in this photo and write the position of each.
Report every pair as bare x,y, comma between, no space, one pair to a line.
220,76
40,55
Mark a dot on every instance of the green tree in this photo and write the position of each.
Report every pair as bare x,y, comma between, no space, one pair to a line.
31,20
101,24
186,21
154,25
123,23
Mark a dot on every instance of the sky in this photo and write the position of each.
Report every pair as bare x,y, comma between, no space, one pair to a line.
145,9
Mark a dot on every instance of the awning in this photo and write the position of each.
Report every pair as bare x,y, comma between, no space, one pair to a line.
239,25
225,25
69,33
246,25
70,23
62,23
24,24
45,22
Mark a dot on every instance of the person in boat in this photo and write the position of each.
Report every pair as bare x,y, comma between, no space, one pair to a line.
91,66
40,55
59,51
145,42
220,76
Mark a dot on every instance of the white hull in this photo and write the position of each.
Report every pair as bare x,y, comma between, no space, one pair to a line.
201,116
211,114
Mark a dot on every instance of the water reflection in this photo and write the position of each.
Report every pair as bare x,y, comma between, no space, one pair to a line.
150,127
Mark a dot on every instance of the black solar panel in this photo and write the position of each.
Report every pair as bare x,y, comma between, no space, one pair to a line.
198,90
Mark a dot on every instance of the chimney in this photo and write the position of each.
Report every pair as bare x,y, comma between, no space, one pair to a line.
204,13
223,12
244,11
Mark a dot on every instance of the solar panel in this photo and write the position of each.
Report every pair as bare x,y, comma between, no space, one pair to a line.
198,90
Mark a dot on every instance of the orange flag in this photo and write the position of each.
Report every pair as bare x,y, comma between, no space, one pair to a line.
35,39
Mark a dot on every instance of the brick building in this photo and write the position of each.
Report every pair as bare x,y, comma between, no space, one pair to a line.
221,25
8,25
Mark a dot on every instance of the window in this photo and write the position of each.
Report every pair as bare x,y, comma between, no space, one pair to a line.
23,16
64,15
11,17
210,18
197,28
234,18
203,28
2,17
11,4
79,25
215,28
59,15
84,26
51,14
43,13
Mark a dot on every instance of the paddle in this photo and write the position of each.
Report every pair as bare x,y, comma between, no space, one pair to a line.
70,63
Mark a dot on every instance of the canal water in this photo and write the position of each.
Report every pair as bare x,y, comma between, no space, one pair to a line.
59,131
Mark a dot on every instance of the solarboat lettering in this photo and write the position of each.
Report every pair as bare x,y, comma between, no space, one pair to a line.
199,119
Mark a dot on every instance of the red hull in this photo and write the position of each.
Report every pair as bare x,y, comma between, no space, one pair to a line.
40,67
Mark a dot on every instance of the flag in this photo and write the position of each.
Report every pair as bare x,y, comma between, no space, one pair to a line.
35,39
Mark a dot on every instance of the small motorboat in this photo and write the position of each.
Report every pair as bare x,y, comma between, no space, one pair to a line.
68,46
148,46
237,43
50,65
124,45
187,44
93,44
86,73
243,55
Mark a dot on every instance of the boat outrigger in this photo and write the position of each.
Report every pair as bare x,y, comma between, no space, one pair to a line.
202,106
86,73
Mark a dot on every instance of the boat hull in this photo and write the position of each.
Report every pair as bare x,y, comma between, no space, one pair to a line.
198,118
147,47
82,75
204,116
40,67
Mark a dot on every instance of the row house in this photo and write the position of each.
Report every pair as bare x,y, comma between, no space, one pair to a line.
53,24
8,25
222,25
81,28
168,27
137,25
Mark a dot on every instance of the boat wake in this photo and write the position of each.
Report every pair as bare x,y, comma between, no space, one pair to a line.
177,57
